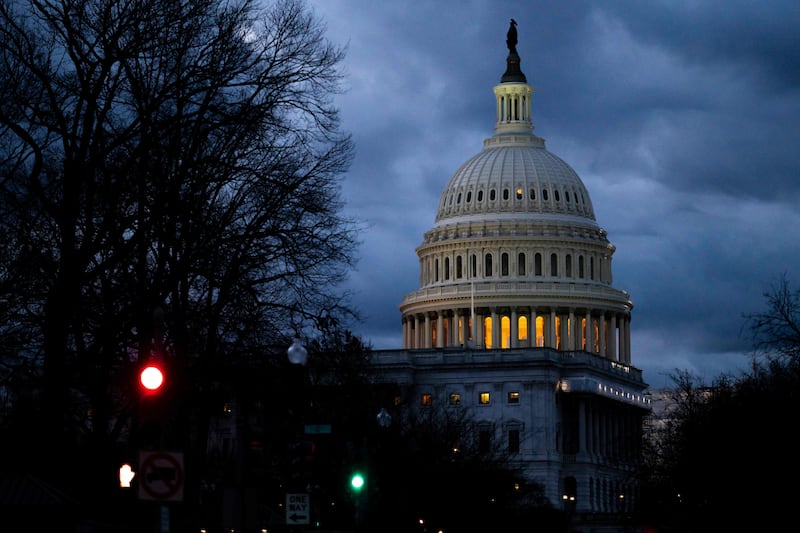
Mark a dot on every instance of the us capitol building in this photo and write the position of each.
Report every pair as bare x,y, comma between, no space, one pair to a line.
517,322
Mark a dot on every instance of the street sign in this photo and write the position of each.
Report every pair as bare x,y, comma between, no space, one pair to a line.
161,476
298,509
317,429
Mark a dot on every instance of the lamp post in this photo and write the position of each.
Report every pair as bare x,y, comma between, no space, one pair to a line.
297,353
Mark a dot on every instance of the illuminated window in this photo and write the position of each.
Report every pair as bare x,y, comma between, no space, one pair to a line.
427,400
540,331
487,332
558,333
522,328
513,397
455,398
519,193
484,398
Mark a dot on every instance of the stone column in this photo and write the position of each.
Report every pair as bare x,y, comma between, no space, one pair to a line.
514,329
496,329
612,338
427,332
440,330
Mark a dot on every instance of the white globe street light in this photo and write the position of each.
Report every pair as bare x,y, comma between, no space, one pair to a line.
298,355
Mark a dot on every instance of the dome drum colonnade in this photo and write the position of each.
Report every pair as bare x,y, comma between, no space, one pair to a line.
521,327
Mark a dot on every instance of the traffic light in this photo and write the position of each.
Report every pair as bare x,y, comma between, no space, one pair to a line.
357,481
151,378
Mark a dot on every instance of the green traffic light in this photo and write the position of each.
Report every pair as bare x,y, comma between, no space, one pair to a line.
357,482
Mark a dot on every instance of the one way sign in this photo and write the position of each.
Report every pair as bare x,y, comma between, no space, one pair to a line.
297,509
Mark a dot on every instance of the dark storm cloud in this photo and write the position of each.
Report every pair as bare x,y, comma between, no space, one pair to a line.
680,117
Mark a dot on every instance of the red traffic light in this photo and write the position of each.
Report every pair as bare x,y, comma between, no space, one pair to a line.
151,377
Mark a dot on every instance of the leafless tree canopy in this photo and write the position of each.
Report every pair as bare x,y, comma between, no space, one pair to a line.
775,331
173,154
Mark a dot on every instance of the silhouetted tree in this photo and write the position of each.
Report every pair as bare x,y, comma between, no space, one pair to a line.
720,454
171,155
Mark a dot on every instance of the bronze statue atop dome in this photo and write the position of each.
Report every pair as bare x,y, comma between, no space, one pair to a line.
513,72
511,37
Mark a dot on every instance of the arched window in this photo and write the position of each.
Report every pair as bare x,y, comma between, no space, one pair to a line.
480,196
505,332
504,264
558,333
519,193
469,196
459,272
544,194
487,266
446,268
436,270
521,264
540,331
522,328
567,266
505,194
581,272
537,264
532,194
591,268
553,265
583,334
492,195
487,332
474,266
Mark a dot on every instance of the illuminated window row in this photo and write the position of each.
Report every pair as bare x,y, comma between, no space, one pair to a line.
484,398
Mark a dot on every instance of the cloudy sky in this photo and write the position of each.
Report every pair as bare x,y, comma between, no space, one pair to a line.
682,117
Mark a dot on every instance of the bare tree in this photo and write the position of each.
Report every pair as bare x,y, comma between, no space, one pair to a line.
164,154
775,332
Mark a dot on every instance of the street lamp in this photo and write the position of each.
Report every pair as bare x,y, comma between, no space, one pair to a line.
298,355
384,418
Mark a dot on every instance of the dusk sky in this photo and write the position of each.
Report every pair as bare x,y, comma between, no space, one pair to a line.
681,117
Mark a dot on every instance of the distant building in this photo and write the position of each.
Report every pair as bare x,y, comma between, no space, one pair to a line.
516,319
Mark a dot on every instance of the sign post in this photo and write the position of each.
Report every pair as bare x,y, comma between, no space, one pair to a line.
298,509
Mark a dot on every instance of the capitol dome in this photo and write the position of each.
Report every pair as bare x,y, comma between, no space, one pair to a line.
515,175
515,257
